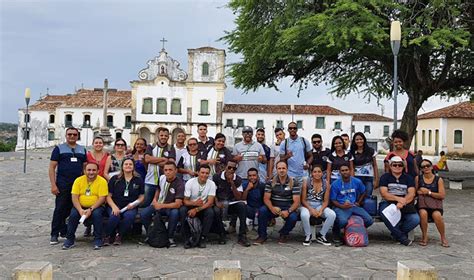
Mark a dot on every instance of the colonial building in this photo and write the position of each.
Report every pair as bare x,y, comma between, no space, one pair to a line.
449,129
376,128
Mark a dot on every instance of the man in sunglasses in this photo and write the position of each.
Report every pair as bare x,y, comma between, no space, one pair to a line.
247,153
398,187
320,154
228,201
67,163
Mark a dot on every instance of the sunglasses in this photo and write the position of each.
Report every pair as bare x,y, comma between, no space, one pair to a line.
316,142
72,134
120,145
292,128
397,165
426,166
192,144
231,167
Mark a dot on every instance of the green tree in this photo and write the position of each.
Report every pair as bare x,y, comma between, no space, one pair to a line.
346,44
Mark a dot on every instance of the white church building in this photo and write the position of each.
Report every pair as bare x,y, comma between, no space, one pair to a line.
164,95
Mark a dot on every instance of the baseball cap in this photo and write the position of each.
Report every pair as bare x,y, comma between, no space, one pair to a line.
247,129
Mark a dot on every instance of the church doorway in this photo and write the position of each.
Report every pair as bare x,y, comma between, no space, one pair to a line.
145,133
175,133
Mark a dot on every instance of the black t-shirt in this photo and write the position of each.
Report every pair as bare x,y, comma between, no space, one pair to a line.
118,189
320,158
223,188
399,187
223,154
363,158
204,147
175,189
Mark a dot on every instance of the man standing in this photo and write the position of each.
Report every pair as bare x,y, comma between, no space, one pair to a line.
280,138
296,151
282,198
88,197
320,155
167,200
204,142
180,146
347,141
265,168
247,153
67,163
347,194
155,156
199,194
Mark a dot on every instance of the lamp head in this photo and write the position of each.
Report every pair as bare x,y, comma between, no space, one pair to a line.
395,31
27,93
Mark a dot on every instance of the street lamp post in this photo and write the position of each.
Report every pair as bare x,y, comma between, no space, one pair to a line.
395,36
87,132
27,119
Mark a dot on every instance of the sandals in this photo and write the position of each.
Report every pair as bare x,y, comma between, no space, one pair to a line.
423,243
445,244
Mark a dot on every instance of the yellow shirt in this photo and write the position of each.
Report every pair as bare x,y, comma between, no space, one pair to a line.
97,188
442,162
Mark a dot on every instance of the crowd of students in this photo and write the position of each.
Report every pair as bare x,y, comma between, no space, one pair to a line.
294,178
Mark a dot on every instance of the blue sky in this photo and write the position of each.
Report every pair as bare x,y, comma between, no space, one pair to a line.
62,45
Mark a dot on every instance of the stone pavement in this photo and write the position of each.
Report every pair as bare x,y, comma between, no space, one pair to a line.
26,207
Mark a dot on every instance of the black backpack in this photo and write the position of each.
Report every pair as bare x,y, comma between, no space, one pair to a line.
158,234
195,230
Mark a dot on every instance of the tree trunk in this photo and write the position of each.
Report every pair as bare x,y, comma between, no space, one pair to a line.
409,119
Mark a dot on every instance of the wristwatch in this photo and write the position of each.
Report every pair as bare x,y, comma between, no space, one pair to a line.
289,211
429,193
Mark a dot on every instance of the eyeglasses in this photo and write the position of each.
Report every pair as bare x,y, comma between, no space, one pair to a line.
292,128
397,165
120,145
231,167
426,166
316,142
72,134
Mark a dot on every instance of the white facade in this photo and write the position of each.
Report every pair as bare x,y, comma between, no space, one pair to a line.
375,131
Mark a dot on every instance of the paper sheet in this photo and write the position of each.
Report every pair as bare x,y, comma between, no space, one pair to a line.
393,214
234,202
135,203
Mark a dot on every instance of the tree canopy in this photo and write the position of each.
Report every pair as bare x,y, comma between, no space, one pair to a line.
346,44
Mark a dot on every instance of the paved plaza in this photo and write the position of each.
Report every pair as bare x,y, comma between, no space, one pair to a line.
26,207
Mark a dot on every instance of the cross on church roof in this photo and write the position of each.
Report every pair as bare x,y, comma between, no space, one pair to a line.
163,41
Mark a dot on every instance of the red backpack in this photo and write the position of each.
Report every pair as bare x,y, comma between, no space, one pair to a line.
355,233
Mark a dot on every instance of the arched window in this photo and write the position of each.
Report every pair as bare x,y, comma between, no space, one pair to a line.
87,121
110,121
51,118
161,106
205,69
176,106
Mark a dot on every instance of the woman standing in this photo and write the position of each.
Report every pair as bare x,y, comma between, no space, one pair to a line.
399,138
430,202
98,155
365,162
138,154
114,162
315,200
126,190
188,165
339,156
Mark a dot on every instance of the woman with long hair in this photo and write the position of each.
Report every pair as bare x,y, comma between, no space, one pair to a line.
126,192
365,162
188,164
138,154
98,155
114,162
399,139
431,194
338,156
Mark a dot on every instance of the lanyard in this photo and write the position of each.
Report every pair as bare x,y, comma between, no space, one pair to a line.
88,190
201,189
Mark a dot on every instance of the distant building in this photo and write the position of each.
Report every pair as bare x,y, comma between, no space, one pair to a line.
449,129
376,128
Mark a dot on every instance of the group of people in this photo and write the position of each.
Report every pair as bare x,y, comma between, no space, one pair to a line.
294,179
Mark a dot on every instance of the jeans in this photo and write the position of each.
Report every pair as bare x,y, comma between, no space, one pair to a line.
206,216
368,183
97,217
265,215
239,209
124,221
407,223
172,214
62,209
149,194
328,214
343,215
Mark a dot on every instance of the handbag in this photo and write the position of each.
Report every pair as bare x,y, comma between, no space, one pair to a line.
428,202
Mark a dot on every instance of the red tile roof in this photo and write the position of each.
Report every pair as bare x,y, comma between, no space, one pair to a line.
463,110
363,117
282,109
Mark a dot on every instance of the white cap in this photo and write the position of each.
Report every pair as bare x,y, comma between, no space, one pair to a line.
397,159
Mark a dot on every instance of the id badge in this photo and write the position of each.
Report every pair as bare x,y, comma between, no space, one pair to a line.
88,192
125,193
74,159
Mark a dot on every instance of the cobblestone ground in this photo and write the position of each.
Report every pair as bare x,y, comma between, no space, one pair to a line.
26,207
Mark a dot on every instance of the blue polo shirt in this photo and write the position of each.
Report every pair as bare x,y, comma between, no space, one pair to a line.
350,191
296,162
255,196
70,164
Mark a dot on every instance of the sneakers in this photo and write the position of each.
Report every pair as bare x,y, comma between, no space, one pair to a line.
406,242
68,244
54,240
244,241
259,241
97,244
172,243
322,240
222,239
187,245
338,242
106,241
283,239
118,240
88,231
202,242
62,235
307,240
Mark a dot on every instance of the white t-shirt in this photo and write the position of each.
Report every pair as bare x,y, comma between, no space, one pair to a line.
193,189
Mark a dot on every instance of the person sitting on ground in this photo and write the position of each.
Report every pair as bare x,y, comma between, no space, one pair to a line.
442,163
431,194
199,194
228,201
124,190
347,194
315,201
282,198
88,196
398,187
167,201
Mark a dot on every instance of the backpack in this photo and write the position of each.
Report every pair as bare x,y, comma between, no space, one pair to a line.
158,234
355,233
195,230
304,147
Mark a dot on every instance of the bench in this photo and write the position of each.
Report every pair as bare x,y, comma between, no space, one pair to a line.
456,182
